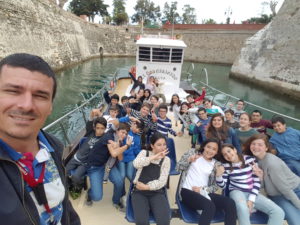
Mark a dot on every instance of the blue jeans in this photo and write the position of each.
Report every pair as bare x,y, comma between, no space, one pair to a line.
275,213
96,174
126,170
292,213
294,165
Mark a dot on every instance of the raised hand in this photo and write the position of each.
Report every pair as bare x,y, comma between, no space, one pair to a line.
133,119
257,171
159,155
193,158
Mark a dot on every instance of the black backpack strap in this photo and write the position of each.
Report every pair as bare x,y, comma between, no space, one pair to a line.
161,161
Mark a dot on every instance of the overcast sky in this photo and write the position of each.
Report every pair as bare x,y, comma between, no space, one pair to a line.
215,9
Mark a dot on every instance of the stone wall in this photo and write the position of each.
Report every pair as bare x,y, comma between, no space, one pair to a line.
40,27
61,38
271,58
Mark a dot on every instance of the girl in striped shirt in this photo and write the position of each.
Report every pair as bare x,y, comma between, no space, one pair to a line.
244,185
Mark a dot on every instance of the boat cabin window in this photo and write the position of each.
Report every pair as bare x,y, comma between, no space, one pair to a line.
160,54
144,53
176,55
173,55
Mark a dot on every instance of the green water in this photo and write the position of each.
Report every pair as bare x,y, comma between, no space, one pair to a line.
81,81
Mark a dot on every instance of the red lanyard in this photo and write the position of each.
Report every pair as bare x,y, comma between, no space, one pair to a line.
36,186
29,178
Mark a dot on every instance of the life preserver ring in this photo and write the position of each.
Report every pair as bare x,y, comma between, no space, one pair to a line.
112,84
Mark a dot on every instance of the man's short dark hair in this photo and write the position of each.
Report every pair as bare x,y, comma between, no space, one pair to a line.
256,111
163,106
276,119
100,120
31,63
115,96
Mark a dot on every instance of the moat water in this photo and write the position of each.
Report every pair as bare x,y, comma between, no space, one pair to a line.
80,82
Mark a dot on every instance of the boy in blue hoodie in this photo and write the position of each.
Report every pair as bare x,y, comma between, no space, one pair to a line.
125,166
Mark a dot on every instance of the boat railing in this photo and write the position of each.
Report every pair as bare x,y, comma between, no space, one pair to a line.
70,126
225,100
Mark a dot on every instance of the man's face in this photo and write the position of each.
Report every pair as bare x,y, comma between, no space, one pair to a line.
99,129
255,117
25,102
279,127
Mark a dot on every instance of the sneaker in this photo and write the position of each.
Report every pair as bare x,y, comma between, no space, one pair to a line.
123,200
89,201
120,207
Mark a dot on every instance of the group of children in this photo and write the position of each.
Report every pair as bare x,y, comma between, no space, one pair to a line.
115,139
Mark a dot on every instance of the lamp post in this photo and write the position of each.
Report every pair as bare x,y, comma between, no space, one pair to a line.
228,13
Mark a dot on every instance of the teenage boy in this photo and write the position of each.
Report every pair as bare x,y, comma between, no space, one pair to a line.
113,100
286,141
202,125
260,124
164,124
76,168
212,109
239,109
97,159
113,112
229,119
125,166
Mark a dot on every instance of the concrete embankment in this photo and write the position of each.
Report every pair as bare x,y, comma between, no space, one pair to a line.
271,58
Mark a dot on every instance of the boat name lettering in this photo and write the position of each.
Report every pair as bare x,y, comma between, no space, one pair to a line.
166,72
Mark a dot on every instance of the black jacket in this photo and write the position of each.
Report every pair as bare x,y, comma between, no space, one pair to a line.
17,207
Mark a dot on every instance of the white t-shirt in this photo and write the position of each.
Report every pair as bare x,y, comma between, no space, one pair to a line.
198,173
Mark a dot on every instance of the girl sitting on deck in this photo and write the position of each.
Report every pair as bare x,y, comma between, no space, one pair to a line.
151,177
280,183
198,183
244,187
